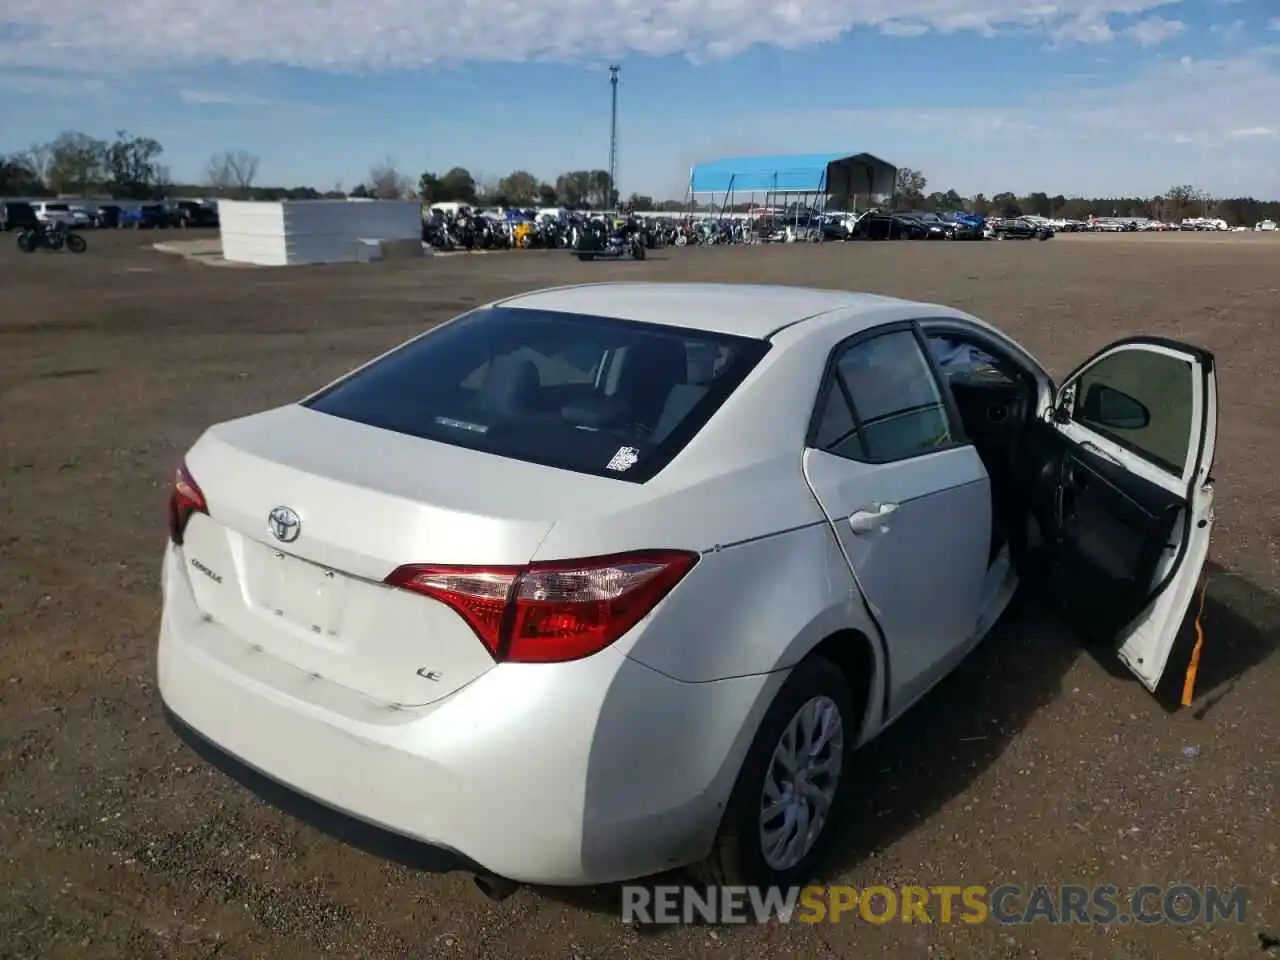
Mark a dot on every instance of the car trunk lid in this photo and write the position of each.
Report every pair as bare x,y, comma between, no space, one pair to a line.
365,501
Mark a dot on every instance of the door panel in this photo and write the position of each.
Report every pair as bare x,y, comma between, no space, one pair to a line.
1129,448
921,571
1112,530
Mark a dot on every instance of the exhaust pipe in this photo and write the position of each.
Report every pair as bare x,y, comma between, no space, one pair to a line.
494,887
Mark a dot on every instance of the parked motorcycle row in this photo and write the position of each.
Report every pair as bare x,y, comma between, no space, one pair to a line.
450,228
592,236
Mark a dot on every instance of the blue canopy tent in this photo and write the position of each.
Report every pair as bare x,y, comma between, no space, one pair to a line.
854,176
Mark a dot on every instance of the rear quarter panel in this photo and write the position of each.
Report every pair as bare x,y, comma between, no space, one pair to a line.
753,608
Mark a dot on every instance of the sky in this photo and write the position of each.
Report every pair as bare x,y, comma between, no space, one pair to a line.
1078,97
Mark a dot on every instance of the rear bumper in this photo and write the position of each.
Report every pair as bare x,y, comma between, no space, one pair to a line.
365,836
588,772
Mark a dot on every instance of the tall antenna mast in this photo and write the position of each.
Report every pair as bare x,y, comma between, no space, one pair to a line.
613,136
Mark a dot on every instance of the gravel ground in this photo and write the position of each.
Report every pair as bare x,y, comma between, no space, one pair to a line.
1038,761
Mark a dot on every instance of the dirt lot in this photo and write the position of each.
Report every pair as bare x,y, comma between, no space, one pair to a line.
1037,762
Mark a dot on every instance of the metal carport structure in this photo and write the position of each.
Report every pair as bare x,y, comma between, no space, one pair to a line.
855,176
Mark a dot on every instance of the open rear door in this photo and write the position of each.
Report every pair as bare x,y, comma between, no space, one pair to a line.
1133,435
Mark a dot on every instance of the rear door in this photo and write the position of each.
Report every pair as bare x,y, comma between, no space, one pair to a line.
1130,444
908,499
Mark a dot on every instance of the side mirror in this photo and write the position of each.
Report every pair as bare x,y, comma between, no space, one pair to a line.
1109,407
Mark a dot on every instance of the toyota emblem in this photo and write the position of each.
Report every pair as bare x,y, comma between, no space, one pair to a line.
284,524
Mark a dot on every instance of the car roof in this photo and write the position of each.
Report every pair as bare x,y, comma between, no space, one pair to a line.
747,310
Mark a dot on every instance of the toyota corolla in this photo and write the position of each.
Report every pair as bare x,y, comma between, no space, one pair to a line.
599,581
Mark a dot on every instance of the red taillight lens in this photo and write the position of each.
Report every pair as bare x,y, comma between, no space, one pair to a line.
185,500
477,594
556,611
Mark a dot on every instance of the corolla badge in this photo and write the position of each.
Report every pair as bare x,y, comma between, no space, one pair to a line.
285,525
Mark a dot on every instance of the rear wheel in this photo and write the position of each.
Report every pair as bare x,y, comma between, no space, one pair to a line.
779,817
76,243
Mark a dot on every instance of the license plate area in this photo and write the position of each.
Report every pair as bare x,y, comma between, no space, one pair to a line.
302,594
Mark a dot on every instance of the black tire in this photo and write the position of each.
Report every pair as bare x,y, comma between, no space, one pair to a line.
737,856
27,242
638,251
584,257
76,243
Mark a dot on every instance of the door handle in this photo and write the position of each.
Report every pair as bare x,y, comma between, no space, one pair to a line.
873,519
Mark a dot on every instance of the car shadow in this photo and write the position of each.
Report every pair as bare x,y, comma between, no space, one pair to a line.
929,756
946,741
1241,624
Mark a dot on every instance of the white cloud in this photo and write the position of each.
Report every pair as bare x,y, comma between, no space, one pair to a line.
1206,99
1154,31
1209,122
55,86
200,98
1273,23
1086,28
1230,31
221,98
374,34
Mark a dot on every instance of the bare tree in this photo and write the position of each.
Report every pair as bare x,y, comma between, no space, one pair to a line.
233,170
163,180
386,182
39,157
910,185
219,173
487,186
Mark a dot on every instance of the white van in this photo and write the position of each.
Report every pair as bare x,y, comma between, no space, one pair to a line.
53,211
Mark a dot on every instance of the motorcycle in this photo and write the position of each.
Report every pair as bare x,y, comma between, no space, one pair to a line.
596,241
54,236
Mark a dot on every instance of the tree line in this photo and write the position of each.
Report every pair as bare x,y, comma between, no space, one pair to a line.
132,167
1178,203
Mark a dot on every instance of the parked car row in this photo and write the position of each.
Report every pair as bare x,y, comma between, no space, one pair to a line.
918,225
178,214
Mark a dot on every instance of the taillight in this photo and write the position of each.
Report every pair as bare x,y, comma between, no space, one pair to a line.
185,499
554,611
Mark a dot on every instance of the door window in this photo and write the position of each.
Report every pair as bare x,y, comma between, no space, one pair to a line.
1141,400
882,403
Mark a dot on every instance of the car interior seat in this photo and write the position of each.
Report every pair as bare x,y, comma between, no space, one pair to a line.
511,385
654,367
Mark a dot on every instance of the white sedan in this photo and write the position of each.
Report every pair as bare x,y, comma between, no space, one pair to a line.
598,581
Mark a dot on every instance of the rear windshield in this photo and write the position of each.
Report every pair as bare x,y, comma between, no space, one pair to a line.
612,398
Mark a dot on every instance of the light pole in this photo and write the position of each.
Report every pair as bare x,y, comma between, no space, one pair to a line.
613,136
